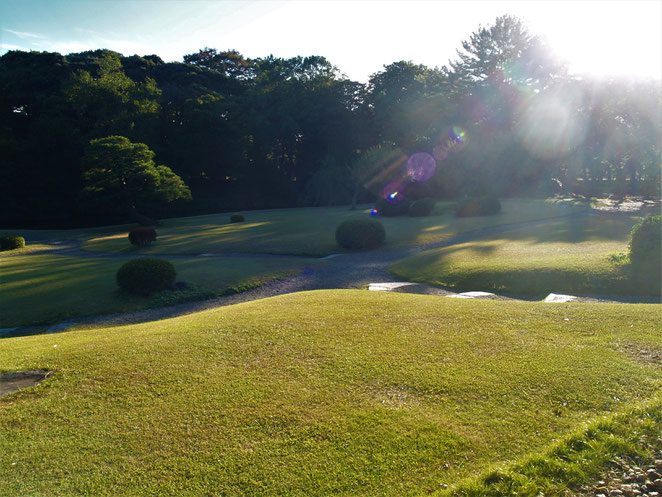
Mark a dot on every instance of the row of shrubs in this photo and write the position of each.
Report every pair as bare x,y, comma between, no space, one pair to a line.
476,206
141,237
145,276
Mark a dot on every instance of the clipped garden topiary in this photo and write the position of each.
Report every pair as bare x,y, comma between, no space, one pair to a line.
646,246
237,218
478,206
145,276
422,207
141,237
11,242
358,234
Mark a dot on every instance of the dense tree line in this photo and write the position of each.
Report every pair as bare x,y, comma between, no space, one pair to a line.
237,133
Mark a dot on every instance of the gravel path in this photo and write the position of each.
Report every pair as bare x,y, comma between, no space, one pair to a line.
349,270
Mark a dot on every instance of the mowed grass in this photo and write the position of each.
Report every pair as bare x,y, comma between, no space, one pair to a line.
318,393
311,231
38,289
570,256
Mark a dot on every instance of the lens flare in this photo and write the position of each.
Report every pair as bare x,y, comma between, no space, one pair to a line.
393,192
440,152
421,166
374,212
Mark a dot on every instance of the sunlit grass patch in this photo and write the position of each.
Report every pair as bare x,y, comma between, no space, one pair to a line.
317,393
574,256
311,231
39,289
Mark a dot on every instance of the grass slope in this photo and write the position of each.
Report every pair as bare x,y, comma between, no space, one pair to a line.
572,256
317,393
311,231
37,289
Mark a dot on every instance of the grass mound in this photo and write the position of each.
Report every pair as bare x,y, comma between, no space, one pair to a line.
574,256
317,393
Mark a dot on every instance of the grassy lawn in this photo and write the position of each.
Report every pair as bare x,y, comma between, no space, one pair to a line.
36,289
564,257
317,393
311,231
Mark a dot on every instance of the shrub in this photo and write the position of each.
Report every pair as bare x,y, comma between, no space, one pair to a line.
142,236
360,234
645,244
386,208
237,218
422,207
145,275
11,242
479,206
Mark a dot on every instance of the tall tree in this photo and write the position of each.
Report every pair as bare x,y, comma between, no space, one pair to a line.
121,179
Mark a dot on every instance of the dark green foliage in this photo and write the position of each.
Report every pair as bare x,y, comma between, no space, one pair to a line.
237,218
11,242
422,207
479,206
357,234
646,254
142,236
386,208
645,248
145,276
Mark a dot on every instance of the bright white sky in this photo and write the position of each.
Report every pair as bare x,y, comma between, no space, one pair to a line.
359,37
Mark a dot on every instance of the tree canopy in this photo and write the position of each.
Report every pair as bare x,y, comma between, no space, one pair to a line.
503,118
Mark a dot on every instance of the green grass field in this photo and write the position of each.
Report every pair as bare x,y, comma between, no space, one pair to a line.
311,231
318,393
37,289
565,257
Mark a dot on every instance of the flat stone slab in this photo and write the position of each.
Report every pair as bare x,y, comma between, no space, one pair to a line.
388,286
472,295
16,380
557,298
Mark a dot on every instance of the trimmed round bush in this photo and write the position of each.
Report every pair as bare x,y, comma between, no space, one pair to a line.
146,275
237,218
422,207
645,243
358,234
479,206
386,208
11,242
142,236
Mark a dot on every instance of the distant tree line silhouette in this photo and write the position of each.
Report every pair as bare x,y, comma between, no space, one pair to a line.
234,133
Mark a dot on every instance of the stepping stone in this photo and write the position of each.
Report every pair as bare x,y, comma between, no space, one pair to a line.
472,295
559,298
388,287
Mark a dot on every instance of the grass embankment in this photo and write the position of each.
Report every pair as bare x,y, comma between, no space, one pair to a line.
570,256
39,289
318,393
311,231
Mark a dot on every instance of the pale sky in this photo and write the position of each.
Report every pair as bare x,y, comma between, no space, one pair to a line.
359,37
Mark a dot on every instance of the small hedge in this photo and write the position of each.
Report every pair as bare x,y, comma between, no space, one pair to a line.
479,206
386,208
237,218
357,234
422,207
646,254
11,242
145,276
141,237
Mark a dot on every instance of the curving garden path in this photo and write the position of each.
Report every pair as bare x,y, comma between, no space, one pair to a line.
338,271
